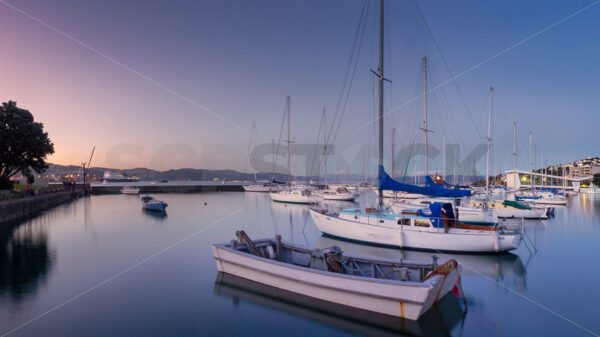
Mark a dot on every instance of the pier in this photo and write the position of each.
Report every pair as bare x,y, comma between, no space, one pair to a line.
517,179
169,186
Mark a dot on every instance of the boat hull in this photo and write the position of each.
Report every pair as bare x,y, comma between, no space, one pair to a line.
338,197
293,198
406,301
551,201
540,213
257,188
131,191
156,207
389,234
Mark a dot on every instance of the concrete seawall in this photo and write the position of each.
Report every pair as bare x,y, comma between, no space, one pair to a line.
21,208
170,187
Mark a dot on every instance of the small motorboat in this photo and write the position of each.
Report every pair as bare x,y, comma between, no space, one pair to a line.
152,204
397,288
130,190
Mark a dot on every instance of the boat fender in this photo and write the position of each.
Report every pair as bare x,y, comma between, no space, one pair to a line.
403,274
497,241
334,260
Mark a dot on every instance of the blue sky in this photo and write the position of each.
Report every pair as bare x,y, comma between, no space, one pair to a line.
240,59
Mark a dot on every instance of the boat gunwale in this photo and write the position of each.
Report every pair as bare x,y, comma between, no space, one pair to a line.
424,284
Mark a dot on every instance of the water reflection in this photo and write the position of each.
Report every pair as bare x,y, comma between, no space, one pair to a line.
25,258
439,321
159,217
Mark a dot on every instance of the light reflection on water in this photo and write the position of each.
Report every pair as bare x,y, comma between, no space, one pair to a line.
73,247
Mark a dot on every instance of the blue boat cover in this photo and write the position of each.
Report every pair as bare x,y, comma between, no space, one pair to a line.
387,183
436,213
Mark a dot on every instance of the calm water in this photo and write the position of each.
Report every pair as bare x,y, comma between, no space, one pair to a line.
101,266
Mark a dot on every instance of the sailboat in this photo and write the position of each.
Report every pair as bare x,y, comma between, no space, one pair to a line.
433,228
291,194
256,186
340,193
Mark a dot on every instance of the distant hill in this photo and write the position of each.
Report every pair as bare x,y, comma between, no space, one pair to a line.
58,172
96,173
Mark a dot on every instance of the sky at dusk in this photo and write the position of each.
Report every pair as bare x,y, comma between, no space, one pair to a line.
136,78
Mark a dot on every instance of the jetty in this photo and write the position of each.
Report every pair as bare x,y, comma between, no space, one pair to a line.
189,186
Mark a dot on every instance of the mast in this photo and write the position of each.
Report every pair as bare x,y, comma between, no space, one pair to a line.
253,146
273,171
295,171
487,164
325,143
365,170
444,157
543,170
393,152
380,112
289,140
425,112
454,173
530,161
515,175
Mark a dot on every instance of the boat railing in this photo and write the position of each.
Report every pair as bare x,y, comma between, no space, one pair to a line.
332,259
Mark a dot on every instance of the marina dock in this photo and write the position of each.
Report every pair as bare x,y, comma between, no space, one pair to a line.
169,186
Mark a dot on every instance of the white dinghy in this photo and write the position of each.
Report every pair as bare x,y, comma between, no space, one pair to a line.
404,289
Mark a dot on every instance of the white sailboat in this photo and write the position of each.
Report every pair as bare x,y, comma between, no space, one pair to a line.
260,187
340,193
290,194
434,228
295,196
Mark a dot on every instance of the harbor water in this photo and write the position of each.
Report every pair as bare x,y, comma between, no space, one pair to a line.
102,266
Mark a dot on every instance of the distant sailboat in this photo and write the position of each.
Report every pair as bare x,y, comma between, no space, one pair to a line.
339,193
289,194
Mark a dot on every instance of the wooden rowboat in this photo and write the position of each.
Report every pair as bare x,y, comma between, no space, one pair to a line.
405,289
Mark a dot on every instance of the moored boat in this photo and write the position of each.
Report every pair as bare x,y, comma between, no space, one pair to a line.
264,187
513,209
295,196
130,190
434,228
554,200
152,204
340,193
405,289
